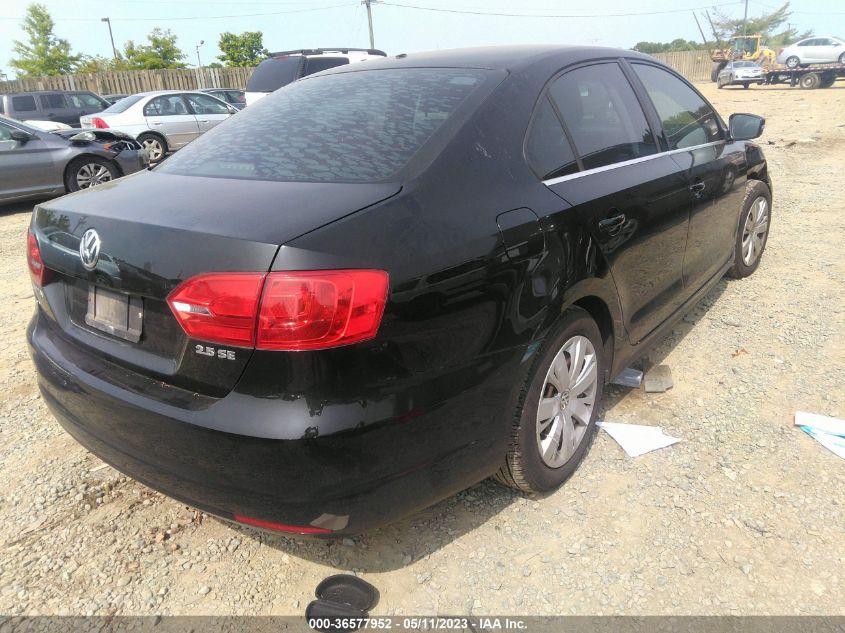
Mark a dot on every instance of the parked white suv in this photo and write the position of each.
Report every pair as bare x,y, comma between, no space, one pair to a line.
285,67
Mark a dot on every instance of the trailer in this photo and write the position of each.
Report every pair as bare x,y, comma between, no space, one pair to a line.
809,77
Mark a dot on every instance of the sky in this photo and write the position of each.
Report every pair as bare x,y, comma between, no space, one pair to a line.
419,25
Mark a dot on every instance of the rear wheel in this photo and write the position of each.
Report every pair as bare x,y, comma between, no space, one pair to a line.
554,423
745,85
810,81
827,80
753,232
792,61
89,171
842,58
155,145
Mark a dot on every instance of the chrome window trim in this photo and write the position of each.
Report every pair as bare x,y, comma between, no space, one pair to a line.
625,163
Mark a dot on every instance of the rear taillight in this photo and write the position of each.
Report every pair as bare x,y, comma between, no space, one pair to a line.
99,123
37,270
304,310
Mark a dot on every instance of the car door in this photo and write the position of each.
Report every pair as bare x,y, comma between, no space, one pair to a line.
208,110
631,195
27,168
55,107
827,50
170,116
715,170
85,103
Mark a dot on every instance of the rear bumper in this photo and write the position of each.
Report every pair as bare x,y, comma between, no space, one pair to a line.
351,481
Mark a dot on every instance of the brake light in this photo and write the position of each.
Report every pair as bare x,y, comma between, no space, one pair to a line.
282,310
99,123
37,270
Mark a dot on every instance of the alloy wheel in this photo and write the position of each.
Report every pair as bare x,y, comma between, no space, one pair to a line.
154,148
567,401
754,231
91,174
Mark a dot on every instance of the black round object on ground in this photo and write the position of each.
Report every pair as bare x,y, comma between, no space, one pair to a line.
349,590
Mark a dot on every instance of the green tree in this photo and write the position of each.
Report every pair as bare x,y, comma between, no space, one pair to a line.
44,54
678,44
98,63
161,52
246,49
774,27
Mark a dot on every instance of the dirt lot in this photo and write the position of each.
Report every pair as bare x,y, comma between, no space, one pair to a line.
747,516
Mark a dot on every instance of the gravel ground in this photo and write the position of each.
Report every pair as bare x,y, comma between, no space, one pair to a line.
744,517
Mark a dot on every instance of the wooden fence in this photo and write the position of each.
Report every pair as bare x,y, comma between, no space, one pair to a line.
131,81
694,65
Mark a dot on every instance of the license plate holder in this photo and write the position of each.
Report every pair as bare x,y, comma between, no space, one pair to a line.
115,313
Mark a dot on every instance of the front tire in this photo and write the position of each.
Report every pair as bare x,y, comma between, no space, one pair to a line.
89,171
745,85
753,232
155,145
792,61
555,419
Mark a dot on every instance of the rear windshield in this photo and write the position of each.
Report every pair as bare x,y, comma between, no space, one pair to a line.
361,126
273,73
122,105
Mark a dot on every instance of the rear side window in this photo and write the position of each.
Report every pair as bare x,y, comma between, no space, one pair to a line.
316,64
350,127
167,105
273,73
122,105
602,115
547,148
53,101
24,104
687,119
203,104
235,97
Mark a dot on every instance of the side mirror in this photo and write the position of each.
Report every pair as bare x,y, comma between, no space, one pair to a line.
232,109
20,136
744,127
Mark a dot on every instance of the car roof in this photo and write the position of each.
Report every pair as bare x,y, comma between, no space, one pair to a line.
509,58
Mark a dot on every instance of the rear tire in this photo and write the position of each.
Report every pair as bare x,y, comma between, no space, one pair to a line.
549,439
155,145
753,230
745,85
842,58
89,171
792,62
810,81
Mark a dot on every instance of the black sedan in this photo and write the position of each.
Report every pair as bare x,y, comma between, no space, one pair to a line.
36,163
420,273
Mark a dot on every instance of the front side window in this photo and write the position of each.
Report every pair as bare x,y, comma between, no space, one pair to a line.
53,101
24,104
687,119
167,105
547,148
363,126
603,116
87,101
202,104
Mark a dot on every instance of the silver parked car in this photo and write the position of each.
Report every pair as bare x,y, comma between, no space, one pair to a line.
813,50
36,163
162,121
742,73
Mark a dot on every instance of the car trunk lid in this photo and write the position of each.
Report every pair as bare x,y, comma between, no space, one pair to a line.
156,230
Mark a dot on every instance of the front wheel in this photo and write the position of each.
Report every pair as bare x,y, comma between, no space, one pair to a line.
753,232
554,422
89,171
842,58
745,85
792,61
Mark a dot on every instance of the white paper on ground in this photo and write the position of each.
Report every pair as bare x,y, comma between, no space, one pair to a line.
829,432
638,439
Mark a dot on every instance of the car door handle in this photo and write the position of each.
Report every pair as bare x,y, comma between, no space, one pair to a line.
203,120
697,187
158,123
613,224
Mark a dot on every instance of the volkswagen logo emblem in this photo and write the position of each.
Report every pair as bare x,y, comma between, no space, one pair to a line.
89,249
